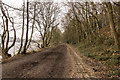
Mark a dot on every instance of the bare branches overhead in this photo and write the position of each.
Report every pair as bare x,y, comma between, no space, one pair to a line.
11,7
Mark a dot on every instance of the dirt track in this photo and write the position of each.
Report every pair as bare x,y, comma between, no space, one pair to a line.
59,62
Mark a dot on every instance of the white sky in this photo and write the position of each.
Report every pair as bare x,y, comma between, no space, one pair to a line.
18,3
14,3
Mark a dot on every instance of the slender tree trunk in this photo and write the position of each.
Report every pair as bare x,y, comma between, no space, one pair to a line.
22,29
25,46
3,36
49,37
7,32
14,35
112,25
32,26
43,43
6,50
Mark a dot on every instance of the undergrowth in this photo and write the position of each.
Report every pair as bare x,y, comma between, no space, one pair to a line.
103,51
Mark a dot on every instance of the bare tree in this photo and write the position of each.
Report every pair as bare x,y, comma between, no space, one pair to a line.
46,21
5,36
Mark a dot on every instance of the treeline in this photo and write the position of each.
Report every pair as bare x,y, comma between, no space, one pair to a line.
40,16
93,22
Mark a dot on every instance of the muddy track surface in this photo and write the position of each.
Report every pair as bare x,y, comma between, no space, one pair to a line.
50,63
58,62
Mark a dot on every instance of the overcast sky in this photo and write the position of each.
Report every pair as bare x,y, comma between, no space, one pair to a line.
14,3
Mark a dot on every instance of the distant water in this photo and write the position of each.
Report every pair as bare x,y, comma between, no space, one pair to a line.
14,50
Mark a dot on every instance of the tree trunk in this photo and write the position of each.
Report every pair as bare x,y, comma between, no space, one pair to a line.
26,41
112,25
22,29
34,15
14,36
4,50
